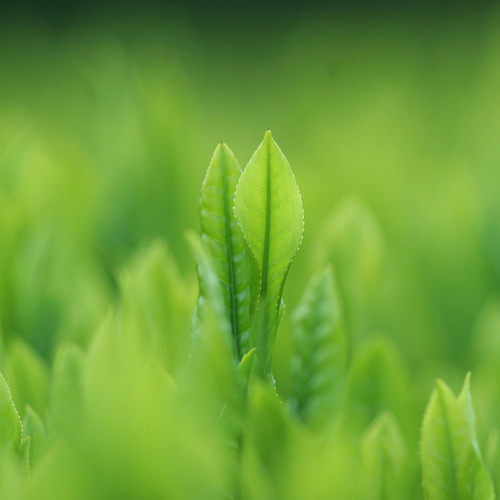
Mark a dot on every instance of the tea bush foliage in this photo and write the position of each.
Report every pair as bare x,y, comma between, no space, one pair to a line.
249,340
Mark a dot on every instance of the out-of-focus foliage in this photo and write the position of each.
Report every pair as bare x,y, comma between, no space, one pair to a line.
106,131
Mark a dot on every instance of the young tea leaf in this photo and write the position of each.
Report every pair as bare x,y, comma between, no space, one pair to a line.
452,466
156,306
29,374
225,243
66,407
383,458
10,423
319,363
268,208
34,429
377,380
212,363
209,313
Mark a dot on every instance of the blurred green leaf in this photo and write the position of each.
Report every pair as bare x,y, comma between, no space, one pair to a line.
29,376
267,441
452,465
320,355
34,429
268,208
66,408
351,239
156,306
383,466
377,381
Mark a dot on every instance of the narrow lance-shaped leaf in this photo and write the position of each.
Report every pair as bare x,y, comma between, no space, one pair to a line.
209,312
34,429
452,466
225,244
10,422
268,208
319,362
211,358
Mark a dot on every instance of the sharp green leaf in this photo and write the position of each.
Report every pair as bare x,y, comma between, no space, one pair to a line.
10,423
383,460
268,207
319,362
225,244
452,465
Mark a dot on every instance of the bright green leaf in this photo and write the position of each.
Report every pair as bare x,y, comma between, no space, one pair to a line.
452,466
319,362
225,244
268,207
10,423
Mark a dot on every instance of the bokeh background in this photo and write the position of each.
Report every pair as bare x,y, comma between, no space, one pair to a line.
388,112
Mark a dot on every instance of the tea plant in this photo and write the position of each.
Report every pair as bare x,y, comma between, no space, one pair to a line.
162,404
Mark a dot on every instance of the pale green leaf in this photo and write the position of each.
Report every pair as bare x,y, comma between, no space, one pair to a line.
268,441
66,391
225,243
28,375
452,465
383,460
268,207
10,423
377,380
351,239
25,454
34,429
156,306
320,358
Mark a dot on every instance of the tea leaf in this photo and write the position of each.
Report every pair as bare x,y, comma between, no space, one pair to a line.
383,459
209,313
452,466
10,423
156,306
377,380
225,243
319,363
29,375
268,208
66,392
212,364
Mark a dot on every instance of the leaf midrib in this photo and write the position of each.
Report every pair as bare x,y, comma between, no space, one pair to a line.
267,232
229,249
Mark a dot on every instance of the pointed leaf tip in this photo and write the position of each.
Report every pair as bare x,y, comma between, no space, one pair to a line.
268,208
